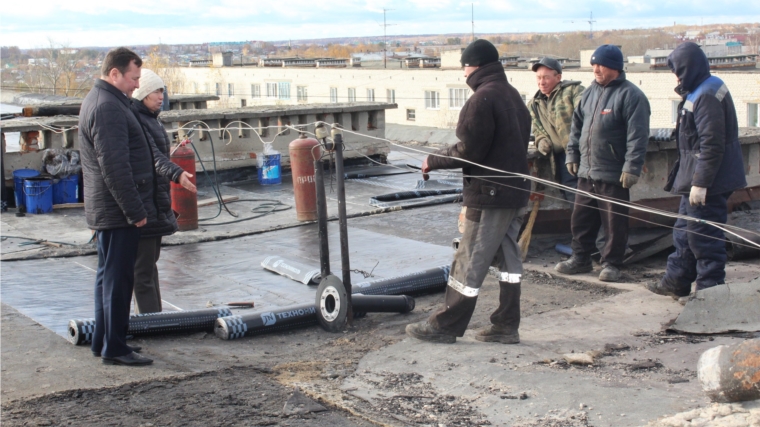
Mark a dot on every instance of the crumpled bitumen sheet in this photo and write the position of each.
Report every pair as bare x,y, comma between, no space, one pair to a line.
61,162
724,308
295,270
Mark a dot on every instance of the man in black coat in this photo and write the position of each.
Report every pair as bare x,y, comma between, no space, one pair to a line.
493,132
709,168
118,194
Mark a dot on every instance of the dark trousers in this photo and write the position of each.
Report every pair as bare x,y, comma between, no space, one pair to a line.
564,176
114,280
700,248
488,238
589,214
147,290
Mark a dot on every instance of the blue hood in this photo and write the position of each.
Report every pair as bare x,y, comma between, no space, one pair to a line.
689,63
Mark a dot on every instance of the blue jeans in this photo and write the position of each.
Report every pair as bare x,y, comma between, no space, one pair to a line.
114,281
700,248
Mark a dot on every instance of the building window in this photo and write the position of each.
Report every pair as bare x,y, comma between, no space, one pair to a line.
271,90
370,95
243,103
230,89
432,100
391,95
674,111
524,98
255,91
457,97
218,89
301,94
410,115
334,95
284,90
351,94
753,115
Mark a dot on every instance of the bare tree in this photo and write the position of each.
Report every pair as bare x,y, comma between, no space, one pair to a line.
54,70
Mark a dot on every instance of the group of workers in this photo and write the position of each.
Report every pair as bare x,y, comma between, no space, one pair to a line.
597,139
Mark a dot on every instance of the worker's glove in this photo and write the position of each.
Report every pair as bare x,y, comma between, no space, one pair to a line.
628,179
544,147
572,168
697,196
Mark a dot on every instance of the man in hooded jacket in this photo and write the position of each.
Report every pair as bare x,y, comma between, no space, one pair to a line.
709,168
493,132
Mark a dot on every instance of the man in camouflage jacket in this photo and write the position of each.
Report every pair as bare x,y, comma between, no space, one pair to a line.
552,112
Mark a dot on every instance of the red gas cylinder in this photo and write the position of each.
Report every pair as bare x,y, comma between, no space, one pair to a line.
302,166
185,202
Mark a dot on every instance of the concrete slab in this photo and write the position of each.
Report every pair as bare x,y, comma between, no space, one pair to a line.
721,309
611,393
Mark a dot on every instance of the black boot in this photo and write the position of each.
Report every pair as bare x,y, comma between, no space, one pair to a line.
574,265
506,319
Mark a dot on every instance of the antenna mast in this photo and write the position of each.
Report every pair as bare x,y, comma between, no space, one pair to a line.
591,25
385,40
472,5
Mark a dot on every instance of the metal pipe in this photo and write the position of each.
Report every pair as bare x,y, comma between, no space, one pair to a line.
341,184
81,330
324,246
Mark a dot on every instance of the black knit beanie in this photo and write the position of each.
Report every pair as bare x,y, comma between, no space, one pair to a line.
609,56
479,53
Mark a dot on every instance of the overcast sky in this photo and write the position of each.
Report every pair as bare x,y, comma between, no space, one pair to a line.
30,23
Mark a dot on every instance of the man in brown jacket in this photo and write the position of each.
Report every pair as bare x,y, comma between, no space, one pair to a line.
493,132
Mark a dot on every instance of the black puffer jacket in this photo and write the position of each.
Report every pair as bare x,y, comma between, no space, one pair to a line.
709,154
493,130
116,161
165,223
610,131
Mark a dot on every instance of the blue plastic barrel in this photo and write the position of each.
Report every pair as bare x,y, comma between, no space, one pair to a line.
18,184
66,190
39,195
269,172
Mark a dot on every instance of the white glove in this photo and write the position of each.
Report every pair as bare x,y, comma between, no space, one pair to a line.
697,196
544,147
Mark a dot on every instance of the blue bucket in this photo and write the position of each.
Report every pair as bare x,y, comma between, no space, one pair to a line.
66,190
18,184
39,195
269,172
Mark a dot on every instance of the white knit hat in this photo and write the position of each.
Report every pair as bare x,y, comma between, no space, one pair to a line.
149,81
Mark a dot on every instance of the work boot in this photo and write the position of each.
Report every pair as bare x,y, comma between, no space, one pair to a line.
426,332
494,333
609,273
574,265
505,321
670,288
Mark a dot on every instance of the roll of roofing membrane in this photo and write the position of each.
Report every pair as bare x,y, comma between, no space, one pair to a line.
166,322
295,316
421,282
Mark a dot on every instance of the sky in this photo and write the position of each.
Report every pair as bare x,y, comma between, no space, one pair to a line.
81,23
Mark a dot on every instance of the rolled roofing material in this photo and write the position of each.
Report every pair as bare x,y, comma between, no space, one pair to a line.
295,316
420,282
81,330
292,269
381,200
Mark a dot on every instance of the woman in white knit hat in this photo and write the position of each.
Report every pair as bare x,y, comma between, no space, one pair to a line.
146,105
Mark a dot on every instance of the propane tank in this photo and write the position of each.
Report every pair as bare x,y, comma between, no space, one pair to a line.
185,202
302,167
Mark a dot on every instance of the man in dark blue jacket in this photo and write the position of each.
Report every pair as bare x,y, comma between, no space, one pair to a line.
608,142
118,198
709,168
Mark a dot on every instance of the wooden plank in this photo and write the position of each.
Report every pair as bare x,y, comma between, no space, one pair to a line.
68,206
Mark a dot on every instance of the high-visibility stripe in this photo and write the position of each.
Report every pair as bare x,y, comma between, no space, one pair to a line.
462,289
510,278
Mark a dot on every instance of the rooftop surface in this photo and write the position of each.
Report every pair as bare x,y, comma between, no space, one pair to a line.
371,374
